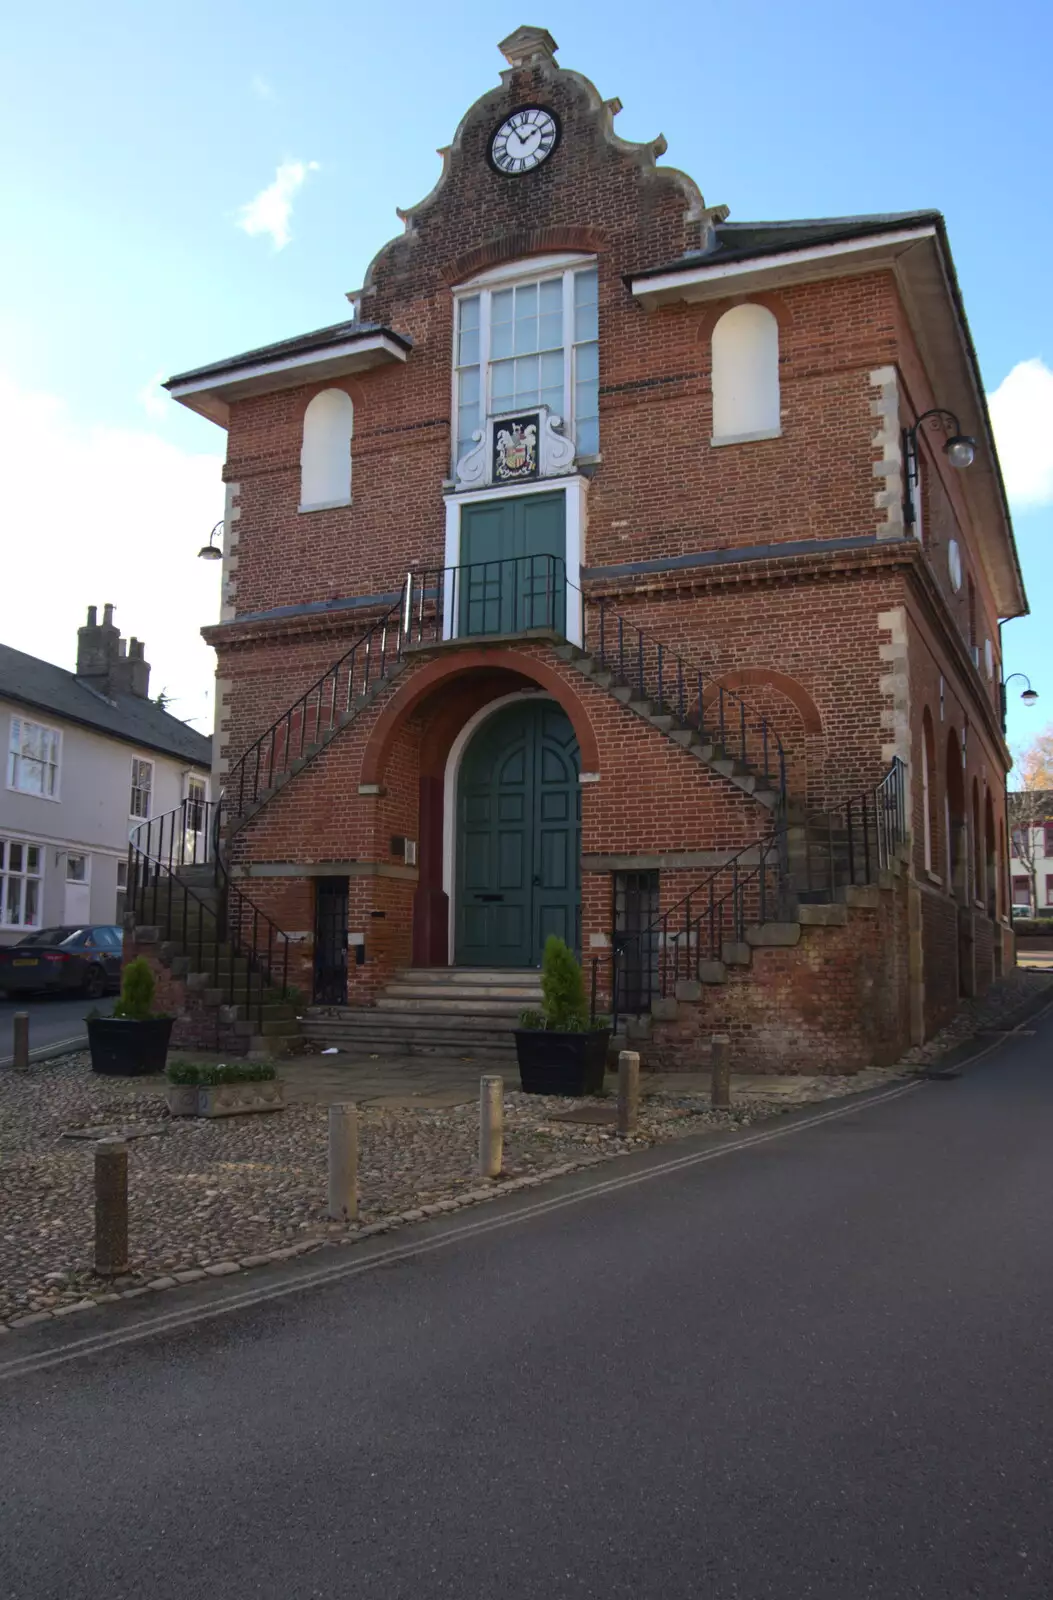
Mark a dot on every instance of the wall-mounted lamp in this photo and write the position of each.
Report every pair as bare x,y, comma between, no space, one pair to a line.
1028,695
958,447
211,551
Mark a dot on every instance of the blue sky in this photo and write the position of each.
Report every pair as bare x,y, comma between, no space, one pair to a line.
138,135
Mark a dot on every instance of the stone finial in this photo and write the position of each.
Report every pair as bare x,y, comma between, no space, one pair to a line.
527,45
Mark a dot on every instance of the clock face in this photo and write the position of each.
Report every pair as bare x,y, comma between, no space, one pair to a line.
524,140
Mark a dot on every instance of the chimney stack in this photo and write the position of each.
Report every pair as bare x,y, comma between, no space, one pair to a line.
108,664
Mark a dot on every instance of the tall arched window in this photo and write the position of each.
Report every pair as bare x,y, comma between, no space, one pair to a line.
325,460
930,814
957,826
978,846
991,886
745,374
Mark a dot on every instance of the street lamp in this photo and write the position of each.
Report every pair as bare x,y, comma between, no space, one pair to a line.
1028,695
958,447
211,551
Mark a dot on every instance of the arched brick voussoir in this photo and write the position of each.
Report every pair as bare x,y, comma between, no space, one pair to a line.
444,669
766,678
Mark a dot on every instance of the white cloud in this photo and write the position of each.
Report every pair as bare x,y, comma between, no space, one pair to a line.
1022,416
153,400
271,210
96,514
261,86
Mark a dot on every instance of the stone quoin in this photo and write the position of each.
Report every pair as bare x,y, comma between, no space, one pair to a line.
576,582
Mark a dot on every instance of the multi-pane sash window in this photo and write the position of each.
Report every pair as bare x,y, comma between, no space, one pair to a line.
142,784
528,344
20,877
33,758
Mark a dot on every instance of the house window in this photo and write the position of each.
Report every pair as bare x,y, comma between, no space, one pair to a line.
1019,841
76,868
530,343
1049,888
196,797
21,874
745,374
33,758
142,785
1047,839
122,874
325,458
1022,892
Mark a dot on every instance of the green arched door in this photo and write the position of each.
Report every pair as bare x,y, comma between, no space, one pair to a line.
518,854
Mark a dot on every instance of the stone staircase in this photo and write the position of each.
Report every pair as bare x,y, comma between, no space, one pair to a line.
443,1015
220,998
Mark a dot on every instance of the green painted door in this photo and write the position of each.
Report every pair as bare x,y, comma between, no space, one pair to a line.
518,838
513,571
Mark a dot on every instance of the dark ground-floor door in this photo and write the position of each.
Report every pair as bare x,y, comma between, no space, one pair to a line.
330,942
518,851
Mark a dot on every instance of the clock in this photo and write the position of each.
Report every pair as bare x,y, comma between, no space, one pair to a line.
524,140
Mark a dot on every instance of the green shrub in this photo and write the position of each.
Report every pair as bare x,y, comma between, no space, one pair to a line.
208,1075
562,989
137,992
1026,925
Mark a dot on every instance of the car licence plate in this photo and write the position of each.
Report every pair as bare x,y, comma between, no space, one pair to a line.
24,961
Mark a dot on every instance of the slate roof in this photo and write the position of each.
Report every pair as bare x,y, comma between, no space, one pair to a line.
128,717
304,344
741,241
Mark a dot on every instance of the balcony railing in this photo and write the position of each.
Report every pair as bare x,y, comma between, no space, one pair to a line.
511,594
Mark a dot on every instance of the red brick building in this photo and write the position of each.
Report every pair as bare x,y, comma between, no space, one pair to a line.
596,576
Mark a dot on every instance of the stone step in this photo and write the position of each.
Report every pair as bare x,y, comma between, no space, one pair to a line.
369,1020
439,1004
516,994
477,977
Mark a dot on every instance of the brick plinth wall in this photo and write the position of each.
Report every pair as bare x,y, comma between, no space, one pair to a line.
199,1025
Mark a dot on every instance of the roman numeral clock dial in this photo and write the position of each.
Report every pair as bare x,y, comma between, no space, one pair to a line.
524,140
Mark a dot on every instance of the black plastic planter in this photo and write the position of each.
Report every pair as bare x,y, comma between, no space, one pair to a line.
561,1063
123,1048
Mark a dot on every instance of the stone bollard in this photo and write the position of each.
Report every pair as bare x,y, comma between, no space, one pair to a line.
111,1207
343,1162
491,1125
628,1091
21,1041
720,1073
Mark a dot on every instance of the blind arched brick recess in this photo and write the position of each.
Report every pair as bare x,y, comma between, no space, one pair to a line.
745,373
325,459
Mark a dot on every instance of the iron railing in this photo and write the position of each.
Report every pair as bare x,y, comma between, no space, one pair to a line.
220,930
511,594
678,688
853,842
329,702
807,862
751,887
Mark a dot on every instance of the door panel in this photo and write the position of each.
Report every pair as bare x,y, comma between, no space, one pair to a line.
330,942
512,584
518,838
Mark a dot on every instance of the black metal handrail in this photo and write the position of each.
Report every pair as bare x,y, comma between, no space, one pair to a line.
678,688
847,846
745,890
244,952
509,594
328,701
851,843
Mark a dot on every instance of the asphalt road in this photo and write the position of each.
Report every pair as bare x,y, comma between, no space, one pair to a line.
51,1021
817,1366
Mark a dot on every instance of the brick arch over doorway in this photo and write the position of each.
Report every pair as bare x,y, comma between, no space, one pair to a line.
439,700
791,713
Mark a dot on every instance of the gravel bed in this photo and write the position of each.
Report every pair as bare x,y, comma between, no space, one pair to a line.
204,1193
988,1012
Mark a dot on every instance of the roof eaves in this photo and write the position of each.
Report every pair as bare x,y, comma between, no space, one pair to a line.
305,344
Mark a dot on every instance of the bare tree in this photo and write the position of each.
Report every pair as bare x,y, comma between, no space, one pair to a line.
1030,805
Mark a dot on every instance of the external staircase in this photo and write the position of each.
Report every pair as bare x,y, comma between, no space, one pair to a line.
443,1015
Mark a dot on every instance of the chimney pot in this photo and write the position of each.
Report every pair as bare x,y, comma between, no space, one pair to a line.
93,615
107,616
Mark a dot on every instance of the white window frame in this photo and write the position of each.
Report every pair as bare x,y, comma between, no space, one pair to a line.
19,722
512,275
24,877
140,816
202,779
79,855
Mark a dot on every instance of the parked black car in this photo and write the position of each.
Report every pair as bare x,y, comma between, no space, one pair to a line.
82,960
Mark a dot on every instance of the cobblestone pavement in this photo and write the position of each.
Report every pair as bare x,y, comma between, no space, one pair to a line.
209,1197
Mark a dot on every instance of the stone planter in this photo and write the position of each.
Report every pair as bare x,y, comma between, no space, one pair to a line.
238,1099
182,1100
